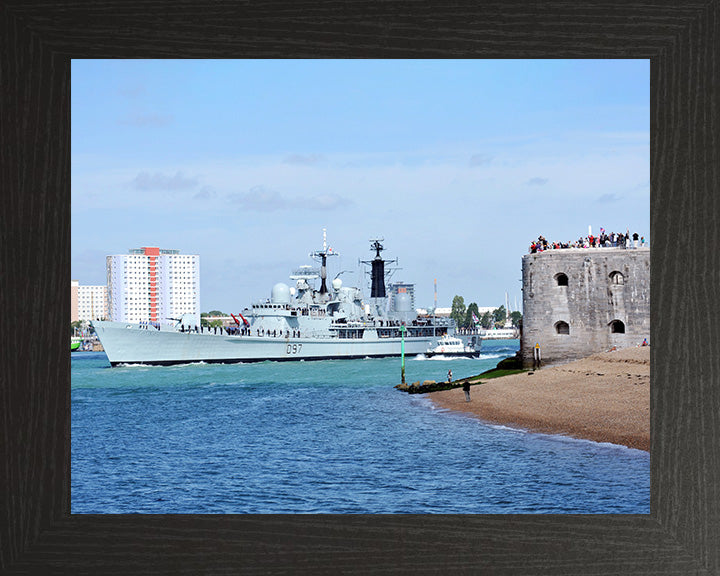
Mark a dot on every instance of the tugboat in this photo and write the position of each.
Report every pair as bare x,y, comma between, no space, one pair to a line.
453,346
303,323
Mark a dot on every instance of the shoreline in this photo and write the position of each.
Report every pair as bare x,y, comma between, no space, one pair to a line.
604,398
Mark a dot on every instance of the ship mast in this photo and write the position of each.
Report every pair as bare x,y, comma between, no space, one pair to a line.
322,256
435,308
508,323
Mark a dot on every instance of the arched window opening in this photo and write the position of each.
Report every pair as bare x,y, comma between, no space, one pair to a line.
562,327
617,278
617,327
562,279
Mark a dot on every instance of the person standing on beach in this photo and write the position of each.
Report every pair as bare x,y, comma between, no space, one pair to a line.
466,389
449,375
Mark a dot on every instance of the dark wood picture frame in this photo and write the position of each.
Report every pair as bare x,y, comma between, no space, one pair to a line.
681,535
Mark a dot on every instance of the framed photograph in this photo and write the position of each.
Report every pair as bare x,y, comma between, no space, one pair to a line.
42,531
269,305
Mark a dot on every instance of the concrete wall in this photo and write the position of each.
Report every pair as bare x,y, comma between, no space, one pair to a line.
589,303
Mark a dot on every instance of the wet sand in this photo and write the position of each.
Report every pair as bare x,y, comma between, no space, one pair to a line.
605,398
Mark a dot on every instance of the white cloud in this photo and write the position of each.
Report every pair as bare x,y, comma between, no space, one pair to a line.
264,199
305,159
206,193
327,201
537,181
260,199
159,181
480,159
609,198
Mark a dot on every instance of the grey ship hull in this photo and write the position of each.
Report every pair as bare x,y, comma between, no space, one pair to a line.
129,344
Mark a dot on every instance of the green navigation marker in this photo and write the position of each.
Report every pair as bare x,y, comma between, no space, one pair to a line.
402,350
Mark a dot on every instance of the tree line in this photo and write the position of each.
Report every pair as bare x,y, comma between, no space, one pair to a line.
211,323
463,316
80,325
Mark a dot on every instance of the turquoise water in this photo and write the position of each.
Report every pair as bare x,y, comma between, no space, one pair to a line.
332,436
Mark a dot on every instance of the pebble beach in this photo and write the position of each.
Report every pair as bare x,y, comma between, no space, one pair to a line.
604,397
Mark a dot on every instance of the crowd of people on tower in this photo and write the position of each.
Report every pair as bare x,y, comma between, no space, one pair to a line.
604,240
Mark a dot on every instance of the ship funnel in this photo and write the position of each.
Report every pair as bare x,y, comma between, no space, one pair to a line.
377,269
323,275
377,286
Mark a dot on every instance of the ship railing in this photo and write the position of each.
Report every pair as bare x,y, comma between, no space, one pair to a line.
267,305
353,324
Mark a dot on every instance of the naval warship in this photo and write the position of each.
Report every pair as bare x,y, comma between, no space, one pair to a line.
303,323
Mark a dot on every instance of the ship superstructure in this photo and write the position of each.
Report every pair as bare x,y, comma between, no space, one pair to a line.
298,323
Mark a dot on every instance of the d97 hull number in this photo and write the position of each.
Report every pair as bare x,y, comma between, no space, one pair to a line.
293,348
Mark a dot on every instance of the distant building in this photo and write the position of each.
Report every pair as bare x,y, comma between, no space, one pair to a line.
153,285
443,312
401,288
74,286
92,303
87,302
486,309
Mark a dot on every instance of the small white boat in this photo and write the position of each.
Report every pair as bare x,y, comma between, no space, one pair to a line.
453,346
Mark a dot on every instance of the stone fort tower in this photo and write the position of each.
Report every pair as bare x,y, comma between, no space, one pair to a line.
579,301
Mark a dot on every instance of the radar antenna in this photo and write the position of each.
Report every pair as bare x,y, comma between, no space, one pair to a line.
377,246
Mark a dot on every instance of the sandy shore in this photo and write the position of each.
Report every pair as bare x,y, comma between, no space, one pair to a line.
605,398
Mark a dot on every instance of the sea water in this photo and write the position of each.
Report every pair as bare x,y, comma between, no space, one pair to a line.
329,436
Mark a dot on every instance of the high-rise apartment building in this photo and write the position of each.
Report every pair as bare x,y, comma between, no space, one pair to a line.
87,302
153,285
74,288
92,303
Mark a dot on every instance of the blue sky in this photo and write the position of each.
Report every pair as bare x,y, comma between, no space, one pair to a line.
457,164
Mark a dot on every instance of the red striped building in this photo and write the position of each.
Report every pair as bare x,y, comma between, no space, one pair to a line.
152,284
